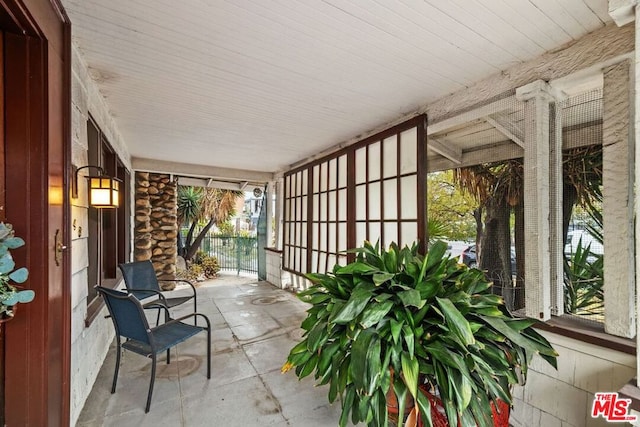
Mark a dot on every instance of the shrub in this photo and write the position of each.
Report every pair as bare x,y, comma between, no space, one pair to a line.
210,266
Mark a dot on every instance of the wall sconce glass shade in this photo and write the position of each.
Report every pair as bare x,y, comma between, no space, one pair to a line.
104,191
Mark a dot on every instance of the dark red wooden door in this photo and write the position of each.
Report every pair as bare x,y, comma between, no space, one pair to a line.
36,139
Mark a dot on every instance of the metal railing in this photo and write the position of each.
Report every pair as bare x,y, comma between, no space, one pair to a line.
236,253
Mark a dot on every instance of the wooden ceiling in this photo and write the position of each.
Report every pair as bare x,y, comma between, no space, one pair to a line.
260,85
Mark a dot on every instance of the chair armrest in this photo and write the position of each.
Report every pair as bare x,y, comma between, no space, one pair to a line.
151,291
180,280
186,317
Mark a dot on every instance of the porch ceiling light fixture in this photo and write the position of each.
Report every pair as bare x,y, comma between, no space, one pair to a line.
104,190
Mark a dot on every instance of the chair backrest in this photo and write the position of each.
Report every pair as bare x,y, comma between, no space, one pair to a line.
140,275
127,314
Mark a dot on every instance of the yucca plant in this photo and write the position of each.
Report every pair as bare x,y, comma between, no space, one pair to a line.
583,281
393,323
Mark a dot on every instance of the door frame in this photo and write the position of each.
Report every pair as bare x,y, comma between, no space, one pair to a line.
37,157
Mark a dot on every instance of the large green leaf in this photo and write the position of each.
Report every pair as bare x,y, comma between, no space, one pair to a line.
411,297
373,314
357,268
317,337
517,338
380,278
456,321
396,327
374,365
359,357
354,306
434,257
410,370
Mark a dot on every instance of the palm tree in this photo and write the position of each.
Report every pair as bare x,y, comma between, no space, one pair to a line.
498,188
208,206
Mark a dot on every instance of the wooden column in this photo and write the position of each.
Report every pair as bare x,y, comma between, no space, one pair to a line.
537,97
618,164
268,200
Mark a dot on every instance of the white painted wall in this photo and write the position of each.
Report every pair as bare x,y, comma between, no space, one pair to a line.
563,398
89,345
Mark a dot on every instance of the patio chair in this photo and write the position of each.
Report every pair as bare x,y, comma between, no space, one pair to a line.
130,322
141,280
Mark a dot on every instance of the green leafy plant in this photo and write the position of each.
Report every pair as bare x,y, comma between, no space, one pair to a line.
210,266
394,323
10,295
583,281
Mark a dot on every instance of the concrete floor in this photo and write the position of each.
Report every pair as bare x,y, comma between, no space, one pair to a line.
254,327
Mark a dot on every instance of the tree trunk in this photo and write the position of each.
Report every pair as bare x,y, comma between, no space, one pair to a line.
189,239
569,197
495,256
193,247
477,215
180,243
520,258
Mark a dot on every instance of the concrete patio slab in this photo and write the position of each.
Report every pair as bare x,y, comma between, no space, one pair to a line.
254,325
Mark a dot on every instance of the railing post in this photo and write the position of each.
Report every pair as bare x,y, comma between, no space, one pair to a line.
238,253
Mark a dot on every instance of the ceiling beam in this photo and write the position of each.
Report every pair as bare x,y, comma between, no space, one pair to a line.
507,128
471,115
187,169
211,183
445,149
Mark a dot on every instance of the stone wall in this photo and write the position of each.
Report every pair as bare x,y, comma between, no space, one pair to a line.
156,227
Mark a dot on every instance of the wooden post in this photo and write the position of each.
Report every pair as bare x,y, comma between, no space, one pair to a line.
618,163
537,96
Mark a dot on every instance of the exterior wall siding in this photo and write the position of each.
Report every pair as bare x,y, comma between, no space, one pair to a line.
563,398
89,344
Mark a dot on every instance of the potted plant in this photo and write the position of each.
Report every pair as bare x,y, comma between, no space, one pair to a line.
395,326
10,295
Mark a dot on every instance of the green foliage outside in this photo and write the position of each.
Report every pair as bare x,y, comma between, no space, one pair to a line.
449,210
202,267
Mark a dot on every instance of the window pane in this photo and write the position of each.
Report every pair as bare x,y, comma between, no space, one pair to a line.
409,191
390,153
361,203
374,200
409,232
374,232
342,205
342,237
390,199
390,233
361,233
323,177
408,151
361,165
342,171
374,161
332,205
316,178
333,174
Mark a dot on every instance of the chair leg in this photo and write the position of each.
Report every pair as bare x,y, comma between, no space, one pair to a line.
208,352
153,378
115,373
158,317
195,309
168,356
